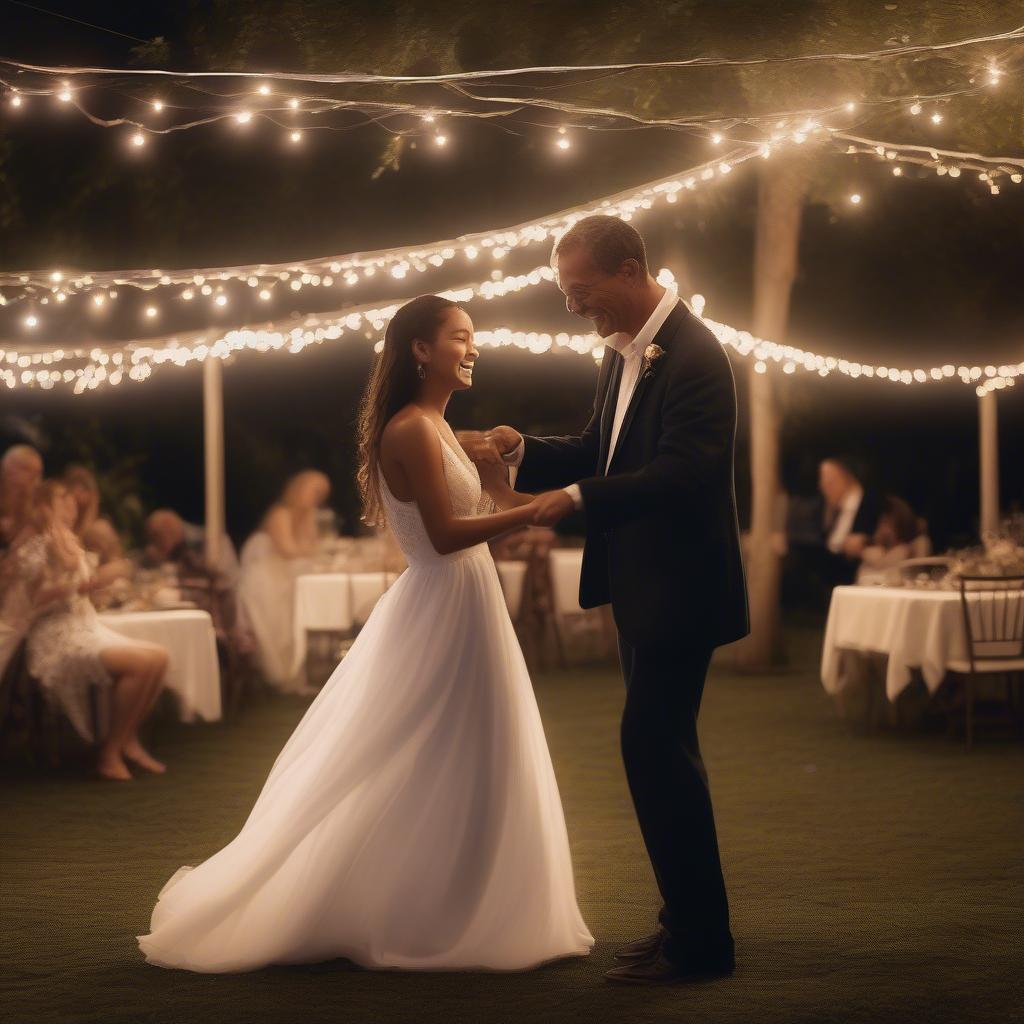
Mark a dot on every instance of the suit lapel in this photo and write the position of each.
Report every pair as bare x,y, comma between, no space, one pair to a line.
611,395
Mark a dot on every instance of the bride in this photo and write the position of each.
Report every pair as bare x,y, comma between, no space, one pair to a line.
412,820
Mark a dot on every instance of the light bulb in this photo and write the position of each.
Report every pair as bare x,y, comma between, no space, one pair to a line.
563,143
98,300
221,300
936,118
15,100
855,198
851,107
295,136
293,103
716,138
915,108
264,90
441,140
138,139
151,311
64,96
243,117
158,105
264,294
897,171
954,172
56,276
31,321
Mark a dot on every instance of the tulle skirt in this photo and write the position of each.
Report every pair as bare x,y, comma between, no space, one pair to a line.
412,820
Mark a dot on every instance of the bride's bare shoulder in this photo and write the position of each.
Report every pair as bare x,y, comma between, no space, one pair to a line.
408,431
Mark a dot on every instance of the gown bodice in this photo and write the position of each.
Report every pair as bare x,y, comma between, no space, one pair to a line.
406,522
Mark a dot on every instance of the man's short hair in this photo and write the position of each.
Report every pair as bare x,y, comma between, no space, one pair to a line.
610,241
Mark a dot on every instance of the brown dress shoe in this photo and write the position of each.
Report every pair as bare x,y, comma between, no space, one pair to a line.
659,970
641,949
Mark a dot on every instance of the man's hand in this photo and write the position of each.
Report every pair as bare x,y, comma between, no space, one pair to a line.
550,507
484,446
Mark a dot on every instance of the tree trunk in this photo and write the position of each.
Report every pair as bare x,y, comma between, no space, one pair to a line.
781,191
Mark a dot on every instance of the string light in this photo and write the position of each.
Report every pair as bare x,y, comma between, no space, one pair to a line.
140,358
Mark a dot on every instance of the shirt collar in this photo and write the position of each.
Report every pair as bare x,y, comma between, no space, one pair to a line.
627,346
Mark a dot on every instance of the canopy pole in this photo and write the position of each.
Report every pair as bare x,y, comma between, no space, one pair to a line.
988,438
213,446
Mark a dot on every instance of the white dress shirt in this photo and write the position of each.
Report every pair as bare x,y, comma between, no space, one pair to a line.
632,352
844,520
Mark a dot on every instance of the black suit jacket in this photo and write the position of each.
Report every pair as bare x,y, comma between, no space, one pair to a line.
662,533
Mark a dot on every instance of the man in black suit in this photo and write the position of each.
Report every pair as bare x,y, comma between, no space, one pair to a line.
652,473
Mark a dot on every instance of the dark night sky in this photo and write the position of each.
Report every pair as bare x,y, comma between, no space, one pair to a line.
922,272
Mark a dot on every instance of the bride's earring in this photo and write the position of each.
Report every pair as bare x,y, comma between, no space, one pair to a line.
420,372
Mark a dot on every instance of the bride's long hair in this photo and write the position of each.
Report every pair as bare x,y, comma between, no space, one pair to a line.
393,384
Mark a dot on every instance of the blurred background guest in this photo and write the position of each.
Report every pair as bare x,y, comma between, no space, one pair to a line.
169,538
826,535
850,516
95,532
68,649
898,536
21,469
171,541
271,560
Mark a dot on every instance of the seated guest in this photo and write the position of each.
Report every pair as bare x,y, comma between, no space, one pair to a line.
271,560
172,541
95,532
21,469
897,538
68,649
849,520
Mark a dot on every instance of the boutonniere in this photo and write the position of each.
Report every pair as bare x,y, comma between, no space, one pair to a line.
651,356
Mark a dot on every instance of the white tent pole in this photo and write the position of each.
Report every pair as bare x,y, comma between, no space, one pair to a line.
213,445
988,437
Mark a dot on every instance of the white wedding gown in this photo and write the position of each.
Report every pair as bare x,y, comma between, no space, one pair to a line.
412,820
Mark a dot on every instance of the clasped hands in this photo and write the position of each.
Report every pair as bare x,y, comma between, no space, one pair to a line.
488,449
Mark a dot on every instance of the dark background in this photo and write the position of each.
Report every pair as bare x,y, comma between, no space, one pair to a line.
925,271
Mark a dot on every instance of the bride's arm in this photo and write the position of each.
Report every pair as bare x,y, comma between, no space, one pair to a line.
416,446
494,478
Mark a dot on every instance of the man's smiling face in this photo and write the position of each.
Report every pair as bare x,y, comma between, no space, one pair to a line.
603,299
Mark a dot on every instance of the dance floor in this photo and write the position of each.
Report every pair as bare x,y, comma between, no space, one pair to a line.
873,877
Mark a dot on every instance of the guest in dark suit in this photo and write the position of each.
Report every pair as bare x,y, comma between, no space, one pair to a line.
652,473
849,520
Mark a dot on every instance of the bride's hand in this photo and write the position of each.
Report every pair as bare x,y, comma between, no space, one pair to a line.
493,477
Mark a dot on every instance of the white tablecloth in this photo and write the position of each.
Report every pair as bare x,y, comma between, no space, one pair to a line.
335,601
565,565
916,628
193,674
513,578
343,600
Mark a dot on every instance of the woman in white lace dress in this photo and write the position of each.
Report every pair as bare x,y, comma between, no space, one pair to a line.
412,820
68,648
271,560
